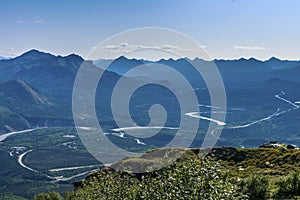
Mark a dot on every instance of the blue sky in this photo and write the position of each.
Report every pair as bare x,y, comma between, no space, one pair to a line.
227,28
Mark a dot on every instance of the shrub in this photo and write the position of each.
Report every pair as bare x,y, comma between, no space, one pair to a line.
188,179
48,196
255,187
289,186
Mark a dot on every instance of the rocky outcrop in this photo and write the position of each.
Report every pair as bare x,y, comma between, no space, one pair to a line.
272,144
292,146
222,153
277,145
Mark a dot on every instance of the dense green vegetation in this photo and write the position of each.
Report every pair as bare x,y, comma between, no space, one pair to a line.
224,173
189,178
289,186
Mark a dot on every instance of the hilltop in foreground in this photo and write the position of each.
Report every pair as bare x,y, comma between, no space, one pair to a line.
268,172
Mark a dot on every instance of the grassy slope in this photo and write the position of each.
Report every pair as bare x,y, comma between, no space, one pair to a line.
11,119
232,167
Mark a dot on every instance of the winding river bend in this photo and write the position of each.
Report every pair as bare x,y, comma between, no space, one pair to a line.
4,136
20,161
220,125
58,178
275,114
278,112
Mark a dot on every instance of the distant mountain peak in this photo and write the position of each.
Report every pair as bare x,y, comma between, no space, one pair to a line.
195,59
253,59
277,64
34,52
73,57
242,59
122,58
34,55
274,59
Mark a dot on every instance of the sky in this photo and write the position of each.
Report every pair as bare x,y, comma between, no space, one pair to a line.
227,29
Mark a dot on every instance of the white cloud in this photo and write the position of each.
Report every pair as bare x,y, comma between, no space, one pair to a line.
249,48
38,20
124,44
203,46
171,47
122,47
111,47
125,47
9,54
20,22
139,47
168,47
116,47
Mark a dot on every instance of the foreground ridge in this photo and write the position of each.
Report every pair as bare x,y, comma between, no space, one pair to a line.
267,172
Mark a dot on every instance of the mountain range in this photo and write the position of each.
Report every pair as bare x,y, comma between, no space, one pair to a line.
36,87
241,70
